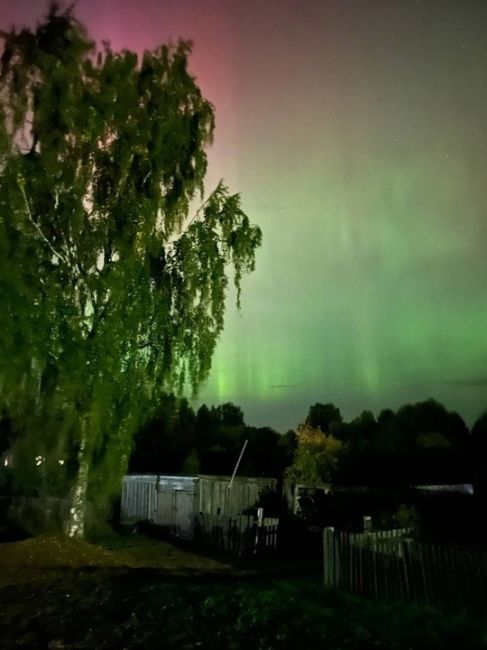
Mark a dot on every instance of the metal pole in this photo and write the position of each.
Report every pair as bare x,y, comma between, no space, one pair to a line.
238,463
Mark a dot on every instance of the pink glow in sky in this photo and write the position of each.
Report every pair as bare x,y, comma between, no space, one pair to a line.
355,132
138,26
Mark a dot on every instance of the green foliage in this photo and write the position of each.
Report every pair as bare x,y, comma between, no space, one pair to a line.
116,611
407,517
110,293
316,456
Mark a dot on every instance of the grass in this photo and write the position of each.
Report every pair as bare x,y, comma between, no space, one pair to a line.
136,592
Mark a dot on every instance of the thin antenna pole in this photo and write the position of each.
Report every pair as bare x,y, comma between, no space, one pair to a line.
238,463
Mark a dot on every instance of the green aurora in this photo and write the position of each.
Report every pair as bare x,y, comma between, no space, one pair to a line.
355,131
364,162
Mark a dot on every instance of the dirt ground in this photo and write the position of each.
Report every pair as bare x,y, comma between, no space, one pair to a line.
30,559
128,590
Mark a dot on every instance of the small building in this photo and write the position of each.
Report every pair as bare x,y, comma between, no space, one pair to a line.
297,494
173,502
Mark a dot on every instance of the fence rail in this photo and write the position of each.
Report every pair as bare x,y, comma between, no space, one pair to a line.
390,566
238,535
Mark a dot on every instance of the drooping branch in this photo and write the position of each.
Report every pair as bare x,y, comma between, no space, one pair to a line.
20,182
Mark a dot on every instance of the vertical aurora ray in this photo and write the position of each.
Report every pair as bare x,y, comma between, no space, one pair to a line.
356,134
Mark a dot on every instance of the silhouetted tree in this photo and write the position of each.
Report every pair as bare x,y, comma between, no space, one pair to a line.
433,443
263,455
324,416
421,443
206,419
163,443
288,444
478,452
230,415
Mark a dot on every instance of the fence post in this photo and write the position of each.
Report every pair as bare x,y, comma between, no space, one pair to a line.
424,578
328,557
258,528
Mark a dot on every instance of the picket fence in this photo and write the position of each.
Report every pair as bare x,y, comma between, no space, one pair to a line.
237,535
389,565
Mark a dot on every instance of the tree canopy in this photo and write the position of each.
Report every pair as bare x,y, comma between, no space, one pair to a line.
112,290
324,416
316,456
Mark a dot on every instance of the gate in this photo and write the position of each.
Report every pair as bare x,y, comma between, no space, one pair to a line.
184,513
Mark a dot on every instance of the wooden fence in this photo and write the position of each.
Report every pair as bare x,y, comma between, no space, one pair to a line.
389,565
238,535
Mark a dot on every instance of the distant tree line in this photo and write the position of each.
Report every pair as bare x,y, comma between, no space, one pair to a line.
418,443
208,441
421,443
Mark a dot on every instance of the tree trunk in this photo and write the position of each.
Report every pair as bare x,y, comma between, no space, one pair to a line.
75,525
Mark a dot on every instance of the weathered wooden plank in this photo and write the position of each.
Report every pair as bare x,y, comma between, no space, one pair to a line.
385,565
328,557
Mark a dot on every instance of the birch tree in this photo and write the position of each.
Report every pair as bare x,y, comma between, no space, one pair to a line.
112,289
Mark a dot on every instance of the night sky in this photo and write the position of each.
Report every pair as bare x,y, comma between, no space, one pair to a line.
356,133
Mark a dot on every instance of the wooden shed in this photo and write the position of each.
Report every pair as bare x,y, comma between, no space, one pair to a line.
174,501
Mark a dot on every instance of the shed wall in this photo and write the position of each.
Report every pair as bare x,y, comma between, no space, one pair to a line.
173,501
176,504
217,497
138,502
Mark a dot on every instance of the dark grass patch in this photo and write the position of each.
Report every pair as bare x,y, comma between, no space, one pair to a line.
115,609
67,594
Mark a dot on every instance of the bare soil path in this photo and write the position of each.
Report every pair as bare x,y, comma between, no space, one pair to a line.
30,559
